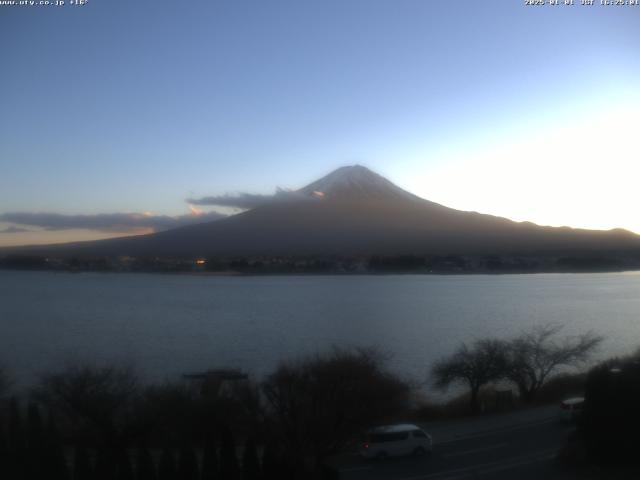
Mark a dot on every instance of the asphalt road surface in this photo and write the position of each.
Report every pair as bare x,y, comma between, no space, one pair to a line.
519,446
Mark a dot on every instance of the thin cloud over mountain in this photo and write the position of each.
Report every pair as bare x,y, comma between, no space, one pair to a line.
14,229
104,222
247,201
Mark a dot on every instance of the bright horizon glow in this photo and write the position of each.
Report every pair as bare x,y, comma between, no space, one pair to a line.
579,172
45,237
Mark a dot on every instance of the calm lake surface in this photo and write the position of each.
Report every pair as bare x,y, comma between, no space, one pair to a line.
166,325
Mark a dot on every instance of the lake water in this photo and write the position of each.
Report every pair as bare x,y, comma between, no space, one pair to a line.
166,325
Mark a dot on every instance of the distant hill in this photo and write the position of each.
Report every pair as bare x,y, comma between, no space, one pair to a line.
354,211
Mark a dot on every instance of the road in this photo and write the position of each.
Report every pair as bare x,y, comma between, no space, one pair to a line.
521,445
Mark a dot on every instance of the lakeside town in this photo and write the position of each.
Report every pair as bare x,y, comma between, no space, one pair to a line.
256,265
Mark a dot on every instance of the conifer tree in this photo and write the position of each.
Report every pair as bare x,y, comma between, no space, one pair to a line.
36,449
167,467
81,464
146,469
228,460
210,464
55,461
125,471
250,462
188,464
35,428
270,462
16,441
105,465
4,448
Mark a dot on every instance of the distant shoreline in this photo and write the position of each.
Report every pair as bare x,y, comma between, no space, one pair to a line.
323,274
362,264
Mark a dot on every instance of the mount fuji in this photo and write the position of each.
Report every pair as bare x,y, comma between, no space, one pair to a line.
354,211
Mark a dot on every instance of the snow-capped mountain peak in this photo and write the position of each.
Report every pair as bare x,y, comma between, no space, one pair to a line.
352,183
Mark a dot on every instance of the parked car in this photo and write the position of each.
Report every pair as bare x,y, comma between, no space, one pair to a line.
396,440
571,408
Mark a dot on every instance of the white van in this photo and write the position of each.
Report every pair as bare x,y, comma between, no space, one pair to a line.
396,440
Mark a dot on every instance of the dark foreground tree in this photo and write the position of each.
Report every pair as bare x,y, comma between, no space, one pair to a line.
274,465
229,469
270,469
167,466
481,363
105,465
250,462
36,444
210,467
55,461
320,404
17,446
124,467
146,469
171,410
534,356
188,464
4,450
5,382
611,419
96,399
81,464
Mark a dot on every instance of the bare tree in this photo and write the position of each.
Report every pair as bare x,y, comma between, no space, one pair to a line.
535,355
98,398
481,363
321,403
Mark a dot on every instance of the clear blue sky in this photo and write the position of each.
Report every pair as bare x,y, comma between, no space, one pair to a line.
133,106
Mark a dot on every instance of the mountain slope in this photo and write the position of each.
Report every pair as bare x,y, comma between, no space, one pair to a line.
353,211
